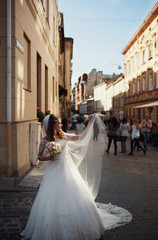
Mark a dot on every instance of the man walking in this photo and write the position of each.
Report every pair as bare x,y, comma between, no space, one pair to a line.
146,126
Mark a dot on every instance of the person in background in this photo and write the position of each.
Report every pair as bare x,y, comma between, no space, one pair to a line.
96,131
64,124
113,127
124,132
146,126
80,126
154,134
135,134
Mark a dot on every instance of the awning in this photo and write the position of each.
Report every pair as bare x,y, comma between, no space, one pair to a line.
152,104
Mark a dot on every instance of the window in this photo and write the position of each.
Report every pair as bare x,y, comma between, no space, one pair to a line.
144,56
138,60
133,65
47,9
46,87
125,70
53,92
138,85
39,80
157,45
53,29
144,84
133,87
129,68
150,50
27,63
129,89
150,81
157,79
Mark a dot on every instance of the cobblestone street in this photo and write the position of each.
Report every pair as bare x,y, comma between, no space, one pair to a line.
127,181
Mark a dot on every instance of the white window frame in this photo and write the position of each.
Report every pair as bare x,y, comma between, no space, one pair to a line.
138,60
144,55
150,81
157,45
150,50
134,87
138,85
144,84
157,79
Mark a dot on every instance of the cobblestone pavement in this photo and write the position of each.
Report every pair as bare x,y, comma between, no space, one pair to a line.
127,181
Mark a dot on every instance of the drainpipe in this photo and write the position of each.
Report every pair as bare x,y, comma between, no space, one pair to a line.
9,148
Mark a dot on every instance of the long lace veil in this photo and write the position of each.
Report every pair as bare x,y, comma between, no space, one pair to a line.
87,154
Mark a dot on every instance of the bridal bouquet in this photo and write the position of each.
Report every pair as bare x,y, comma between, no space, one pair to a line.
52,148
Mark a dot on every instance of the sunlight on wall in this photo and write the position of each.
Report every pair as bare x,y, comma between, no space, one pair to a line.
20,91
46,47
18,100
23,104
109,97
20,69
21,2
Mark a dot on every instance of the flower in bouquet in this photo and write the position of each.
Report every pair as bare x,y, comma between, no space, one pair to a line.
52,148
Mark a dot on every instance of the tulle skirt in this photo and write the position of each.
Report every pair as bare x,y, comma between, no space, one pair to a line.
65,210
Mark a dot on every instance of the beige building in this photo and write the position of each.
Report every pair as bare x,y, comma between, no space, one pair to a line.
68,74
80,91
33,76
99,97
119,89
93,78
114,97
84,100
65,71
141,70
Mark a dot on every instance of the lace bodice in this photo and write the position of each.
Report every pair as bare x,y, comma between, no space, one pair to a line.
62,142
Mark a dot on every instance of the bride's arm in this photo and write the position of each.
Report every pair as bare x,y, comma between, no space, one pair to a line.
41,151
43,158
72,136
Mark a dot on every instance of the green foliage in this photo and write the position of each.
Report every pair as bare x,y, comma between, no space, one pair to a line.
47,112
40,115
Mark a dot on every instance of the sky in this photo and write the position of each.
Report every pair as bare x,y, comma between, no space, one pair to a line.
100,30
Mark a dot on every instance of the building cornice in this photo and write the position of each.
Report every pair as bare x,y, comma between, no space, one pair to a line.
148,20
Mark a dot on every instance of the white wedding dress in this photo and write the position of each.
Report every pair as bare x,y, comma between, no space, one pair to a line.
64,208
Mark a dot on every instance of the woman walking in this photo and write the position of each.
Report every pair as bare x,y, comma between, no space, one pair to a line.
135,135
113,127
124,132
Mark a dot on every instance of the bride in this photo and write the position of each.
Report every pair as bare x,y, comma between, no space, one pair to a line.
64,208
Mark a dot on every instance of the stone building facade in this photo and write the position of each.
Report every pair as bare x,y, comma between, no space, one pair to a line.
68,74
141,70
99,97
65,71
33,75
85,90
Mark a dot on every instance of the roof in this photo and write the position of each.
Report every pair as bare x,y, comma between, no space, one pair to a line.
148,20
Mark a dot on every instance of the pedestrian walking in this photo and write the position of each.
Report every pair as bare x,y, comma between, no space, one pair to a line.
64,124
146,126
112,131
135,135
96,131
124,132
64,207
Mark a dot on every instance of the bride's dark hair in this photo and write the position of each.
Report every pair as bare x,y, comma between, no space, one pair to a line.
51,130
